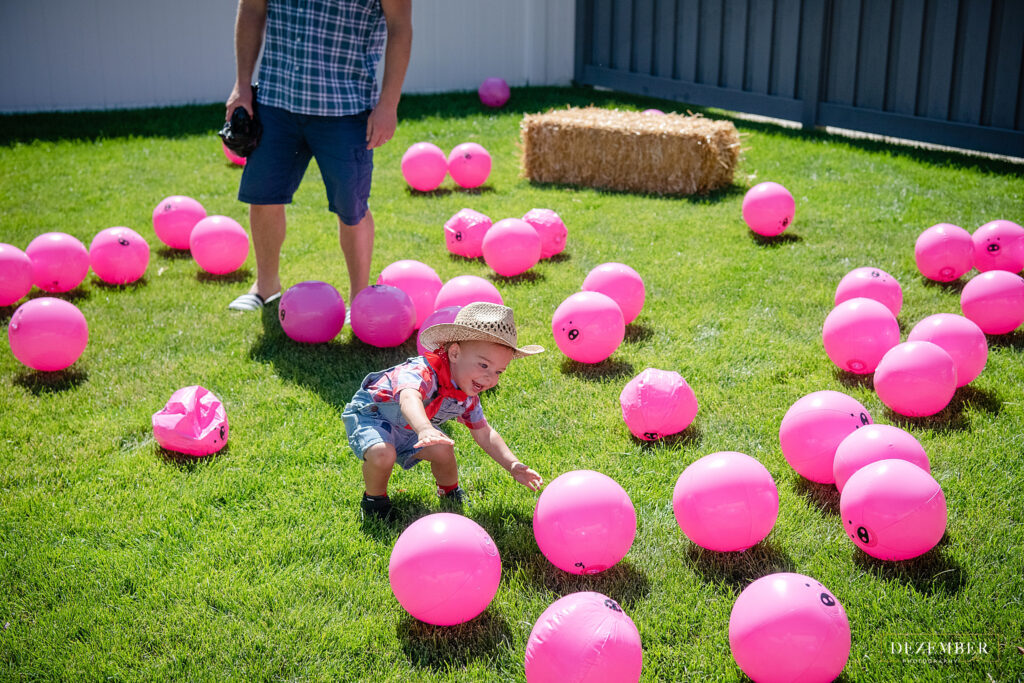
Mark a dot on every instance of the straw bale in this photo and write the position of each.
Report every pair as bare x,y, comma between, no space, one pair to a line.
629,151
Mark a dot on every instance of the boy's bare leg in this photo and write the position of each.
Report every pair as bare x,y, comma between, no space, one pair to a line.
378,461
357,245
441,457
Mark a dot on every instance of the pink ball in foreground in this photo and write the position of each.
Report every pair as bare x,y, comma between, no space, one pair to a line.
59,261
416,279
584,522
871,283
464,233
444,569
657,403
469,165
893,510
873,443
551,229
311,312
193,422
960,338
494,92
382,316
511,247
588,327
813,428
438,317
232,157
620,282
916,379
788,627
15,274
994,301
857,333
768,209
944,252
999,245
174,218
726,502
47,334
424,166
219,244
584,638
465,289
118,255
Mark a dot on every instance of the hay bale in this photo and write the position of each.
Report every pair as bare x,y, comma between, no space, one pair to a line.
630,151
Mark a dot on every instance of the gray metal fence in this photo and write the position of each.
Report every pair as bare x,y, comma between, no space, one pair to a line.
942,71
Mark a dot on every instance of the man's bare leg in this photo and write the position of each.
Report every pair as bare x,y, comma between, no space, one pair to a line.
357,245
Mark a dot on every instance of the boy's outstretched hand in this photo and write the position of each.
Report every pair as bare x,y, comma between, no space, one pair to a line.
527,477
429,437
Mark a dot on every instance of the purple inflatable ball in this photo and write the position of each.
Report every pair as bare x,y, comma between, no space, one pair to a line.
438,317
494,92
383,316
311,312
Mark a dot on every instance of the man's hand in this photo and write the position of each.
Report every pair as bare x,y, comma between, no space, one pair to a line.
240,97
527,477
431,436
381,125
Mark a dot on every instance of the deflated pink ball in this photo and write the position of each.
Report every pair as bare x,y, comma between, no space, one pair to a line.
193,422
464,233
657,403
416,279
813,428
511,247
874,443
118,255
944,252
15,274
916,378
999,245
857,333
494,92
59,261
219,244
960,338
469,165
768,209
311,312
174,218
588,327
871,283
994,301
438,317
232,157
465,289
620,282
551,229
383,316
424,166
47,334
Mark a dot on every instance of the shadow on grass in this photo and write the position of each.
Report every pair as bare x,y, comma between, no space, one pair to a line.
7,311
954,416
739,569
638,332
560,257
1013,340
441,648
597,372
932,573
190,463
953,287
39,382
712,197
127,287
173,254
430,194
483,189
529,277
623,582
776,241
233,278
76,295
852,380
405,510
458,258
825,497
690,436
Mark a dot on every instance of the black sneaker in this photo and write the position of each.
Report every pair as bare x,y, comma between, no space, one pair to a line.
456,495
376,506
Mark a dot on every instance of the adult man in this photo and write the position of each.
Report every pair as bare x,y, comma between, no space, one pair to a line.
318,98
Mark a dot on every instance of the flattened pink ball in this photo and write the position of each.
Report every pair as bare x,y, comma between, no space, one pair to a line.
584,638
588,327
584,522
464,233
960,338
768,209
857,333
657,403
15,274
118,255
469,165
788,627
47,334
193,422
999,245
873,443
916,379
726,502
871,283
620,282
438,317
174,218
219,244
465,289
653,112
424,166
813,428
511,247
383,316
59,261
444,569
416,279
311,312
994,301
494,92
551,229
944,252
232,157
893,510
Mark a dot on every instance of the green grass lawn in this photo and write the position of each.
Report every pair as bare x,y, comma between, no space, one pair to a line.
119,561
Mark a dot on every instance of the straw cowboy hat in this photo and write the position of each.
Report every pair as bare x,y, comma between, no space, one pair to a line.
479,321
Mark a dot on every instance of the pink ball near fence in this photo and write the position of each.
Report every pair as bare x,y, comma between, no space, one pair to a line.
657,403
788,627
551,229
383,316
588,327
584,522
857,333
999,245
424,166
916,379
994,301
944,252
193,422
438,317
236,159
15,274
511,247
893,510
444,569
653,112
726,502
469,165
464,233
962,339
813,428
47,334
620,282
311,312
219,244
584,637
871,283
465,289
873,443
768,209
60,261
173,220
416,279
494,92
118,255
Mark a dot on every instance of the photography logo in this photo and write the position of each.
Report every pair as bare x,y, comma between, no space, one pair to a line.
941,648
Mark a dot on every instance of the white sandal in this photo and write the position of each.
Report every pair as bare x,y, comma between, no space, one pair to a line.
252,302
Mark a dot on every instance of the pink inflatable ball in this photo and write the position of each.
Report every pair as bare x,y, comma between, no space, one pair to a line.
944,252
59,262
47,334
193,422
174,218
726,502
219,244
873,443
424,166
960,338
444,569
994,301
465,289
464,233
916,379
813,428
438,317
383,316
621,283
871,283
588,327
416,279
511,247
232,157
311,312
788,627
657,403
584,638
551,229
653,112
15,274
469,165
893,510
857,333
768,209
494,92
999,245
584,522
118,255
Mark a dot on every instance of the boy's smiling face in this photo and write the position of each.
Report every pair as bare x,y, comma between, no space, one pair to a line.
477,365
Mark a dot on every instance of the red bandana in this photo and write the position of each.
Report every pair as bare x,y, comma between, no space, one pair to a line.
439,362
